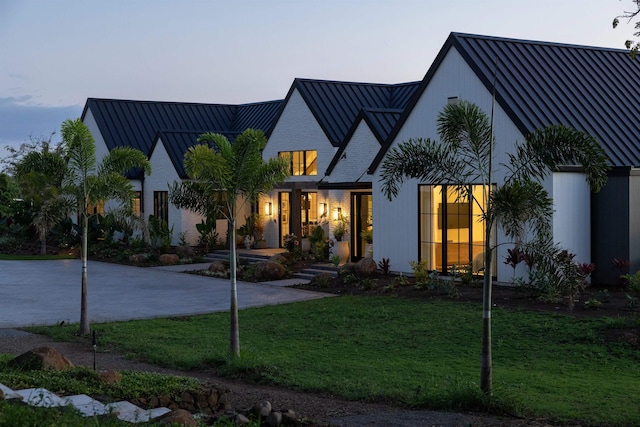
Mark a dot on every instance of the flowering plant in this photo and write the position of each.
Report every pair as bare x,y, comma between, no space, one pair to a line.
291,242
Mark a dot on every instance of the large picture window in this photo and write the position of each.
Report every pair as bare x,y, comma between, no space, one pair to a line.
452,229
302,162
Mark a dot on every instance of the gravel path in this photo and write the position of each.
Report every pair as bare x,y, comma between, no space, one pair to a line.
324,410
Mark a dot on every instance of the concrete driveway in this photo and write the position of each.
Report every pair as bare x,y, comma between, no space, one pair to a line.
48,292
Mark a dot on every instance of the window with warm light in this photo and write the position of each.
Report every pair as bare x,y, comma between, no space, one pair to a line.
452,228
302,162
97,208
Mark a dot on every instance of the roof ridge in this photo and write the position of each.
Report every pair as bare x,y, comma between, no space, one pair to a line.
536,42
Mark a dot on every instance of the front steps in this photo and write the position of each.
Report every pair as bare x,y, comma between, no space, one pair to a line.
252,256
86,405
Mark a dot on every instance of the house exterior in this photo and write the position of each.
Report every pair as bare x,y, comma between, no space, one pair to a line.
164,131
337,134
536,84
331,131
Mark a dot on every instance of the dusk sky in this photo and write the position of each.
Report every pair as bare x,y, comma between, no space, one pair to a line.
56,54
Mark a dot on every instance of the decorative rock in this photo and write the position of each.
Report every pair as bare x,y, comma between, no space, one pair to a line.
350,267
241,420
262,409
41,358
110,377
212,398
185,251
179,417
290,418
138,258
217,266
224,401
269,271
274,419
169,259
366,265
279,258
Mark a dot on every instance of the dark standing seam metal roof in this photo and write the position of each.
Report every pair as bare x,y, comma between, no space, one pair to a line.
126,123
336,105
539,84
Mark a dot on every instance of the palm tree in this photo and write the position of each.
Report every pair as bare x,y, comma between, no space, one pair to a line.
464,157
224,177
39,175
87,182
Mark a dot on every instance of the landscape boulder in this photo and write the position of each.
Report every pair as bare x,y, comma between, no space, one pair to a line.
217,266
178,417
169,259
41,358
138,258
268,270
366,266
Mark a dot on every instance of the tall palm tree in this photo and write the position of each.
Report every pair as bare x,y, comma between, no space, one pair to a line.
88,182
224,177
463,156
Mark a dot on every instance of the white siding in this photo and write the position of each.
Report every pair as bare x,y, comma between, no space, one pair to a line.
164,174
297,129
396,221
356,157
101,146
572,214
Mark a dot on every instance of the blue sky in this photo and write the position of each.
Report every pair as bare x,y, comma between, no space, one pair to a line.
56,54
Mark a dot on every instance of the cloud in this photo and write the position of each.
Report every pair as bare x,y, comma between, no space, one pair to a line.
21,119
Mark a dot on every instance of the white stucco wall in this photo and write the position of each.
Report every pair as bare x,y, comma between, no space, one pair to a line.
396,221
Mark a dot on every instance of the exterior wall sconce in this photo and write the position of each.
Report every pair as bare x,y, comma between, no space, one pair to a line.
269,208
323,210
337,214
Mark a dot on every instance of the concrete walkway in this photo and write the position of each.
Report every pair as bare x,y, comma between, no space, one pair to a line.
48,292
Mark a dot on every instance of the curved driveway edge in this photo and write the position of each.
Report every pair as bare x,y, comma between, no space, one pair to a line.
48,292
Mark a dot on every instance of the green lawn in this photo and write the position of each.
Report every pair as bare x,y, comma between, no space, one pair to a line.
417,353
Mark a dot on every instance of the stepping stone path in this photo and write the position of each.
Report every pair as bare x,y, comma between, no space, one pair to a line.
86,405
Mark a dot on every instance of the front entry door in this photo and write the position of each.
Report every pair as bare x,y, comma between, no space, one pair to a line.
284,214
361,220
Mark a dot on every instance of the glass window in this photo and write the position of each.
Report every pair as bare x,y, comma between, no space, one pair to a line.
161,205
451,228
137,203
302,162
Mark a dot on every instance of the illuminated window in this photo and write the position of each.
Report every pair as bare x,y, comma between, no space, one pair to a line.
452,228
302,162
137,203
97,208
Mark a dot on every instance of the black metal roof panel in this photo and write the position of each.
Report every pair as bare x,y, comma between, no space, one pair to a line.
336,105
260,115
135,123
538,84
178,142
589,88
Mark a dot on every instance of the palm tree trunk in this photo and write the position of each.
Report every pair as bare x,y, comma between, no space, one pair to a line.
485,364
234,334
84,310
